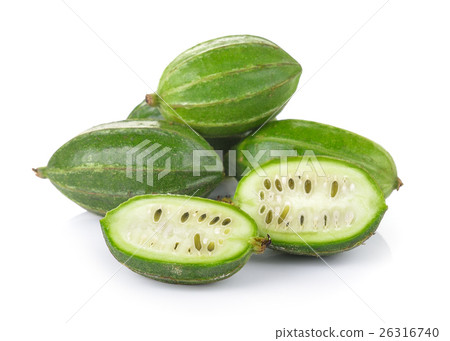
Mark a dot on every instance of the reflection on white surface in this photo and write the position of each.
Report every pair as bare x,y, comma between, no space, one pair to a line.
84,219
85,232
280,268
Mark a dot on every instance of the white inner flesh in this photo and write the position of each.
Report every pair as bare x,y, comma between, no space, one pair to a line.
180,230
333,206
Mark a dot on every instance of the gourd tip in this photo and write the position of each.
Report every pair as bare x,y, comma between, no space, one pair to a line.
399,183
151,99
260,243
39,172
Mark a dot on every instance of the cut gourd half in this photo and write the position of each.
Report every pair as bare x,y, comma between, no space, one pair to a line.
181,239
312,205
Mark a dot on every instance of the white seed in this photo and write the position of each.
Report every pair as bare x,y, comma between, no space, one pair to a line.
336,215
349,216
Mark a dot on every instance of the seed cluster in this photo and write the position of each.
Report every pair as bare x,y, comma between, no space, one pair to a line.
287,203
189,232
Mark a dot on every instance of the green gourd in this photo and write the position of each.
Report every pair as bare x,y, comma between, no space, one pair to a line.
181,239
227,86
108,164
312,205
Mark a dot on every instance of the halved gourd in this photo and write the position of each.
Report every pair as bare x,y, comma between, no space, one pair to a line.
312,207
181,239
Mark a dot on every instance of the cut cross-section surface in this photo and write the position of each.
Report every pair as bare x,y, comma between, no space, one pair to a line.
181,239
312,211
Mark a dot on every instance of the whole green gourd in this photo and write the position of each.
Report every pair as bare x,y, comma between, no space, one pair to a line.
227,86
108,164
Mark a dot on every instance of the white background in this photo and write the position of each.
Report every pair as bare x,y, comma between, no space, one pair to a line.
387,79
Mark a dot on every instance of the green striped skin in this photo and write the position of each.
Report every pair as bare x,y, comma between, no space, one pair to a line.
179,272
227,86
362,197
322,139
91,169
144,111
